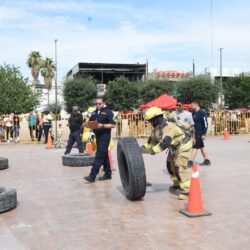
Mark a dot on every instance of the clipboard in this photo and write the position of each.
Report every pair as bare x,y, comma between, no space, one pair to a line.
92,124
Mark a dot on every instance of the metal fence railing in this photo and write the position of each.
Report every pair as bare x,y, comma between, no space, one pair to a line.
132,124
236,122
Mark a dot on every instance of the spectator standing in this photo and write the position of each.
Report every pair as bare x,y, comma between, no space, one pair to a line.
1,130
16,127
37,126
8,127
47,121
59,136
200,126
40,126
104,117
182,115
32,124
75,126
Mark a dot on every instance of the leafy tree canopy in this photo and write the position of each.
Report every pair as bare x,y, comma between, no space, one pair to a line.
52,108
122,94
16,94
237,92
79,92
197,89
155,88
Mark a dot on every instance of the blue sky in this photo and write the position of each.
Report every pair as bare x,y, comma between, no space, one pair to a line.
169,33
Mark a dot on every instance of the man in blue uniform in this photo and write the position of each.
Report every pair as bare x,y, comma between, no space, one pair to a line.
104,117
200,126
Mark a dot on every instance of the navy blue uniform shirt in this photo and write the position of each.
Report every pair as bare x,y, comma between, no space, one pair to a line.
104,116
200,122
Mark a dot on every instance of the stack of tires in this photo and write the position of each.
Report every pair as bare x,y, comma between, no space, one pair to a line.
8,196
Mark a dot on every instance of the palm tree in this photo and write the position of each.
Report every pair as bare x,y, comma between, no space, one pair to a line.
34,62
48,72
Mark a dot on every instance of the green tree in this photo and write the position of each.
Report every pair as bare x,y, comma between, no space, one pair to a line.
16,94
34,62
79,92
154,88
237,92
122,94
48,72
197,89
52,108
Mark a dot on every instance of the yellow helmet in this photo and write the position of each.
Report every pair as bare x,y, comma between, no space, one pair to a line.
152,112
91,109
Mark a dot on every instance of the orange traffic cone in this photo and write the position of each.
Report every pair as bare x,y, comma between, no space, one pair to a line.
226,134
194,207
89,148
49,144
110,159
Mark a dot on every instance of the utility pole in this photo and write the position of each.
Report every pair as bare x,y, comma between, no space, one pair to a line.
212,34
221,83
56,86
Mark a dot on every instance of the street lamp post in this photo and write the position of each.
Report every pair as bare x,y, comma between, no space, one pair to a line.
56,85
221,83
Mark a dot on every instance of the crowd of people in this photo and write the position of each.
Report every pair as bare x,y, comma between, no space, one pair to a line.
39,125
10,127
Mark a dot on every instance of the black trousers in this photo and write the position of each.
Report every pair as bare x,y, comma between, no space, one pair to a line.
40,133
32,129
74,137
46,132
101,157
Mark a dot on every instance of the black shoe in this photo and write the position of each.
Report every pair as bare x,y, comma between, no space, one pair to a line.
175,187
89,178
104,178
148,184
190,164
206,163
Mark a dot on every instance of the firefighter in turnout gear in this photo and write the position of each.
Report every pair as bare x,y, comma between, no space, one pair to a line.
168,135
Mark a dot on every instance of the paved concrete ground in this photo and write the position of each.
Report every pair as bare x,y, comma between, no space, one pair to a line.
58,210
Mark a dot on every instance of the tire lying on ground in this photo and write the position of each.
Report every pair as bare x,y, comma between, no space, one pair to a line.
8,199
4,163
78,160
131,168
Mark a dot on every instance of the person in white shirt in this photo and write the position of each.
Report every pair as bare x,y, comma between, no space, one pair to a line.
8,127
183,115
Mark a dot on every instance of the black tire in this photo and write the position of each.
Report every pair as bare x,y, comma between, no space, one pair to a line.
78,160
8,199
131,168
4,163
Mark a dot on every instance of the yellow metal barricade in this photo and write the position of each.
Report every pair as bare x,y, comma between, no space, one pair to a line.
132,124
236,122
